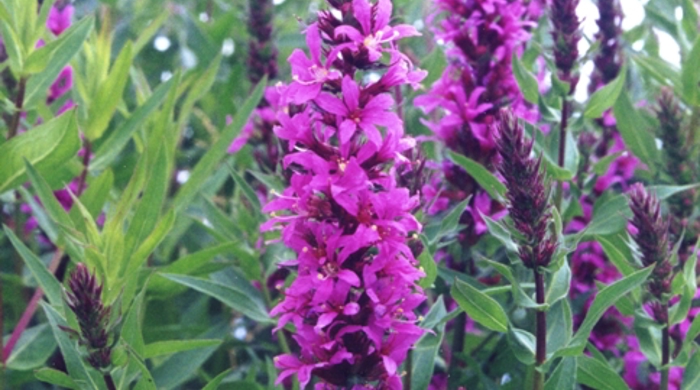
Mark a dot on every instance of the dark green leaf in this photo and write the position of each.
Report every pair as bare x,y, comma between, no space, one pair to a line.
527,82
634,131
55,377
232,296
564,375
605,97
47,147
160,348
52,288
599,376
216,152
480,307
32,349
69,43
691,375
486,179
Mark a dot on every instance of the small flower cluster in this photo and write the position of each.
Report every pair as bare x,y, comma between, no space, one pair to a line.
262,53
566,35
608,60
262,61
676,154
480,37
85,300
352,303
652,239
527,195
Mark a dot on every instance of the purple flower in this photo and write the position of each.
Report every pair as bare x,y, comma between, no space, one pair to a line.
60,18
353,300
61,85
374,111
309,74
375,30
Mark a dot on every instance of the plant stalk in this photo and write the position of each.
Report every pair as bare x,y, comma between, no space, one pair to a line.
566,107
541,332
19,104
665,350
109,381
30,310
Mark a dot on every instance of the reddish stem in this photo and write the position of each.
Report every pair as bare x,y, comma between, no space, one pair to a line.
29,311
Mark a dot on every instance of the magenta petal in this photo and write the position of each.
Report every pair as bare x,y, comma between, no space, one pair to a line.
363,14
346,130
349,277
351,94
383,16
389,365
351,309
331,104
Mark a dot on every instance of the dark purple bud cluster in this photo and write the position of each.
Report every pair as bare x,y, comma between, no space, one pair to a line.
652,239
678,165
608,61
84,299
527,195
566,35
262,53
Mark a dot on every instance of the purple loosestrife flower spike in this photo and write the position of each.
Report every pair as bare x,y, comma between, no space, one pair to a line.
608,60
566,35
85,300
344,213
676,153
652,239
527,195
262,53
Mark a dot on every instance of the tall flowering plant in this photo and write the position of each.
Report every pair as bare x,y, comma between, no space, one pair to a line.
352,302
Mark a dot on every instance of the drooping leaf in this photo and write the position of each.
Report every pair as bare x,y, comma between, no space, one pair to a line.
486,179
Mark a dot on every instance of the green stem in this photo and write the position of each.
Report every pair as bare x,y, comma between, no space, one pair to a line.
541,332
566,107
665,350
19,104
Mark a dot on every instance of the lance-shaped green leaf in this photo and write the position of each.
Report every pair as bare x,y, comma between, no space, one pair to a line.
597,375
605,97
634,131
522,343
527,82
603,300
52,288
564,375
615,256
77,368
214,383
162,348
47,147
232,296
520,296
118,139
55,377
64,49
109,94
558,284
559,326
665,192
33,348
486,179
480,307
217,151
691,375
690,77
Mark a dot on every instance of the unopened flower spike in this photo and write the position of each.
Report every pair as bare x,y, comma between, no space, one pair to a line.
84,298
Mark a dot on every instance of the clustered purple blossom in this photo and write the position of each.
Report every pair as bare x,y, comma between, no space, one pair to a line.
353,300
480,39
